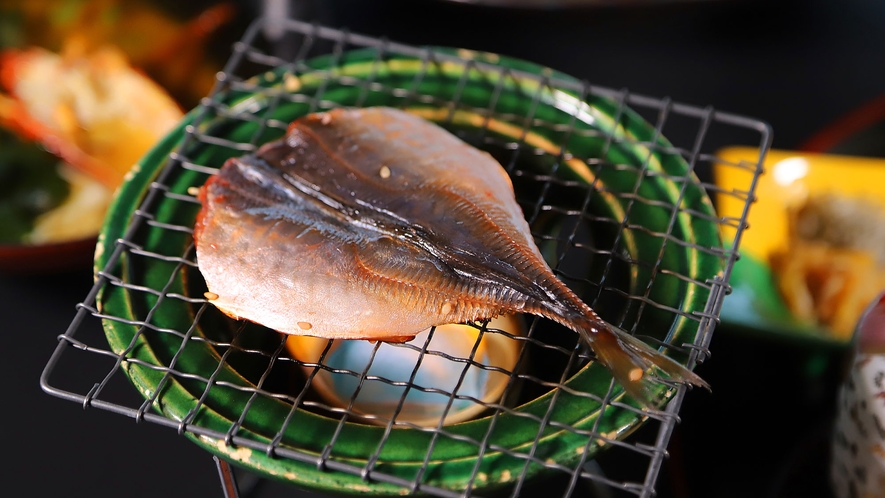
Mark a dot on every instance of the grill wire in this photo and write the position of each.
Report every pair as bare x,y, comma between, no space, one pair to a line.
83,346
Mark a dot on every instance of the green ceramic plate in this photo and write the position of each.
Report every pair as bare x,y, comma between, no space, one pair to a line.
634,185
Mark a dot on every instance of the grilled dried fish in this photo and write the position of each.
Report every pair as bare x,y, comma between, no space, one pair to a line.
375,224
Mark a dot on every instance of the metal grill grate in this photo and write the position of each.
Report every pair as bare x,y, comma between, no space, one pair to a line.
158,241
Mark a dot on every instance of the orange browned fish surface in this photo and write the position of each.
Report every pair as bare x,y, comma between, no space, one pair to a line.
375,224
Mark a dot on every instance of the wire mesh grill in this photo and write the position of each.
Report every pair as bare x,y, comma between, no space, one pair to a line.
543,196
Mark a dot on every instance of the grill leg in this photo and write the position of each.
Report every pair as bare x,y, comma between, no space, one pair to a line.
228,480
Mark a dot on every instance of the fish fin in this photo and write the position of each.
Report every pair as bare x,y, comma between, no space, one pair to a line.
398,339
634,363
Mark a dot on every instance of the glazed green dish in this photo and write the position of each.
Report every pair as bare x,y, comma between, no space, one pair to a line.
634,234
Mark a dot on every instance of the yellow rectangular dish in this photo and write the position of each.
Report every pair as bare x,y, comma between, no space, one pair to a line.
778,267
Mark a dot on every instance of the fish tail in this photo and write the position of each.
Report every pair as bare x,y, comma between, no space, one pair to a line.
634,363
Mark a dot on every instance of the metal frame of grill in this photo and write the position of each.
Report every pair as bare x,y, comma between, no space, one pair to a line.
82,343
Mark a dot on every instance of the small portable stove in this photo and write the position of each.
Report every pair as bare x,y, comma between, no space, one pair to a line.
623,215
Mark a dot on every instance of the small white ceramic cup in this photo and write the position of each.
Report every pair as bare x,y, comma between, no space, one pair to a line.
857,465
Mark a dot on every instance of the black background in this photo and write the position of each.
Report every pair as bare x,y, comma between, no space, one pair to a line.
761,432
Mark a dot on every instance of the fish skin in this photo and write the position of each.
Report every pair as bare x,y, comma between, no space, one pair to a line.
376,224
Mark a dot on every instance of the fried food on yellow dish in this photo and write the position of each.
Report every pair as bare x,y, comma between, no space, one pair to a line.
92,109
834,263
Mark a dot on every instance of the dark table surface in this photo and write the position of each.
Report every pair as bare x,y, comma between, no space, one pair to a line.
761,432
